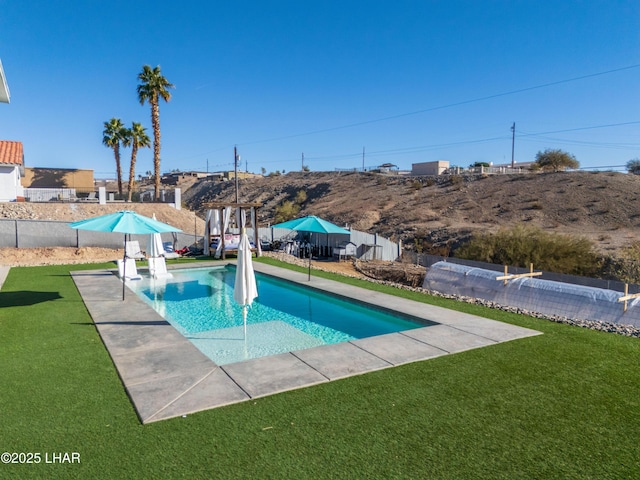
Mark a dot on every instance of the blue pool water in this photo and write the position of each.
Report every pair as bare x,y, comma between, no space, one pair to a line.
285,317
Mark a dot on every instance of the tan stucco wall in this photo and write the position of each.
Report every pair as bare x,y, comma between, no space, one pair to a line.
35,177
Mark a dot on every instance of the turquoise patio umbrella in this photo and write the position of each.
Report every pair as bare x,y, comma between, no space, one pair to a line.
312,224
125,222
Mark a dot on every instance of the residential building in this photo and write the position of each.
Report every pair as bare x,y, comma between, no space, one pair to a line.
11,168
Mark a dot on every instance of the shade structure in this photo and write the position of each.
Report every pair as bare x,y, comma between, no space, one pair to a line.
244,289
312,224
126,222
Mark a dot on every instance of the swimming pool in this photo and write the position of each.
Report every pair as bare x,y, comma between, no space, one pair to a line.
285,317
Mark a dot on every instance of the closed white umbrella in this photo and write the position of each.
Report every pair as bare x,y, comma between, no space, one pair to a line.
155,248
244,290
155,253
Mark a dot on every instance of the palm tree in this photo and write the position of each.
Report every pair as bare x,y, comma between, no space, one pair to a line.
136,137
153,86
114,132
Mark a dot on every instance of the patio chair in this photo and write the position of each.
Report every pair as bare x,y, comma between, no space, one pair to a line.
133,250
169,252
130,272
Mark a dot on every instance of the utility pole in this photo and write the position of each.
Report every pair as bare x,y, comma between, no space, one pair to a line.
303,161
363,159
513,144
235,166
207,165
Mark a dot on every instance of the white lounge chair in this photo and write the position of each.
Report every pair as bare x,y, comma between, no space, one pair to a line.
133,250
169,251
130,272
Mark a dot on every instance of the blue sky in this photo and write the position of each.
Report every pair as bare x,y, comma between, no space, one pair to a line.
407,80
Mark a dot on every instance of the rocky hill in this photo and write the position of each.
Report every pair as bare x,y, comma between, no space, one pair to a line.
443,211
183,219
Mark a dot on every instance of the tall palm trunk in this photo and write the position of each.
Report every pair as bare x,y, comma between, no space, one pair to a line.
155,121
132,168
154,86
116,152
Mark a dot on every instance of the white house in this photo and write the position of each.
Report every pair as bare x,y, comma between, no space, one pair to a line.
11,163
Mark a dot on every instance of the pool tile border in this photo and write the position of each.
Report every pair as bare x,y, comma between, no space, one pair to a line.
166,376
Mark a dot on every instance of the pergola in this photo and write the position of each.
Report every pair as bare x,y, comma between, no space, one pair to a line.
221,207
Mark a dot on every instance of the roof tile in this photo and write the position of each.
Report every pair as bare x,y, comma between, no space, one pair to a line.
11,152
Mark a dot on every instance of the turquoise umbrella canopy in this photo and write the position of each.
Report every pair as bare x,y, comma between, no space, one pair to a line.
312,224
124,221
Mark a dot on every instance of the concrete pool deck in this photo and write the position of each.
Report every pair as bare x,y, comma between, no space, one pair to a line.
166,376
4,272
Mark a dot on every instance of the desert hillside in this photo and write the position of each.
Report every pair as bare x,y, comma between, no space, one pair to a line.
184,219
603,206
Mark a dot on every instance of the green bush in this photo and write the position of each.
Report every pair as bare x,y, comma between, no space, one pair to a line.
287,210
301,197
522,245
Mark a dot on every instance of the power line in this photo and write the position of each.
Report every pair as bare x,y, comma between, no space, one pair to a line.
422,148
430,109
635,122
449,105
618,146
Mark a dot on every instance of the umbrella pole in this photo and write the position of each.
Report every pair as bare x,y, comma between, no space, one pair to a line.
244,316
310,255
124,265
244,319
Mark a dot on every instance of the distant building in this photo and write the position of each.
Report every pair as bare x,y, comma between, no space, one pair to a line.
517,166
36,177
173,177
429,168
11,166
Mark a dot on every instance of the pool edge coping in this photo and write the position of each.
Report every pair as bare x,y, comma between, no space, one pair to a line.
164,383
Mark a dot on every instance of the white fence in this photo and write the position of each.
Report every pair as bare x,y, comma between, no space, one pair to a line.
50,194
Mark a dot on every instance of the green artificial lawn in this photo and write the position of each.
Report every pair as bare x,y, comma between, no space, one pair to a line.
561,405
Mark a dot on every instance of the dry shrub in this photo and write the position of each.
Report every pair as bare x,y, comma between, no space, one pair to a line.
625,266
523,245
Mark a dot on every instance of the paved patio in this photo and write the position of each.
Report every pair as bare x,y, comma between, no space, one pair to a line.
4,271
166,376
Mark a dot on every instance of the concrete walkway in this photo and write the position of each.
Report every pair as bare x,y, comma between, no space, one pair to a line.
166,376
4,271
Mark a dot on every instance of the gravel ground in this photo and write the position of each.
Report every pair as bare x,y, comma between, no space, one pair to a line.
28,257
